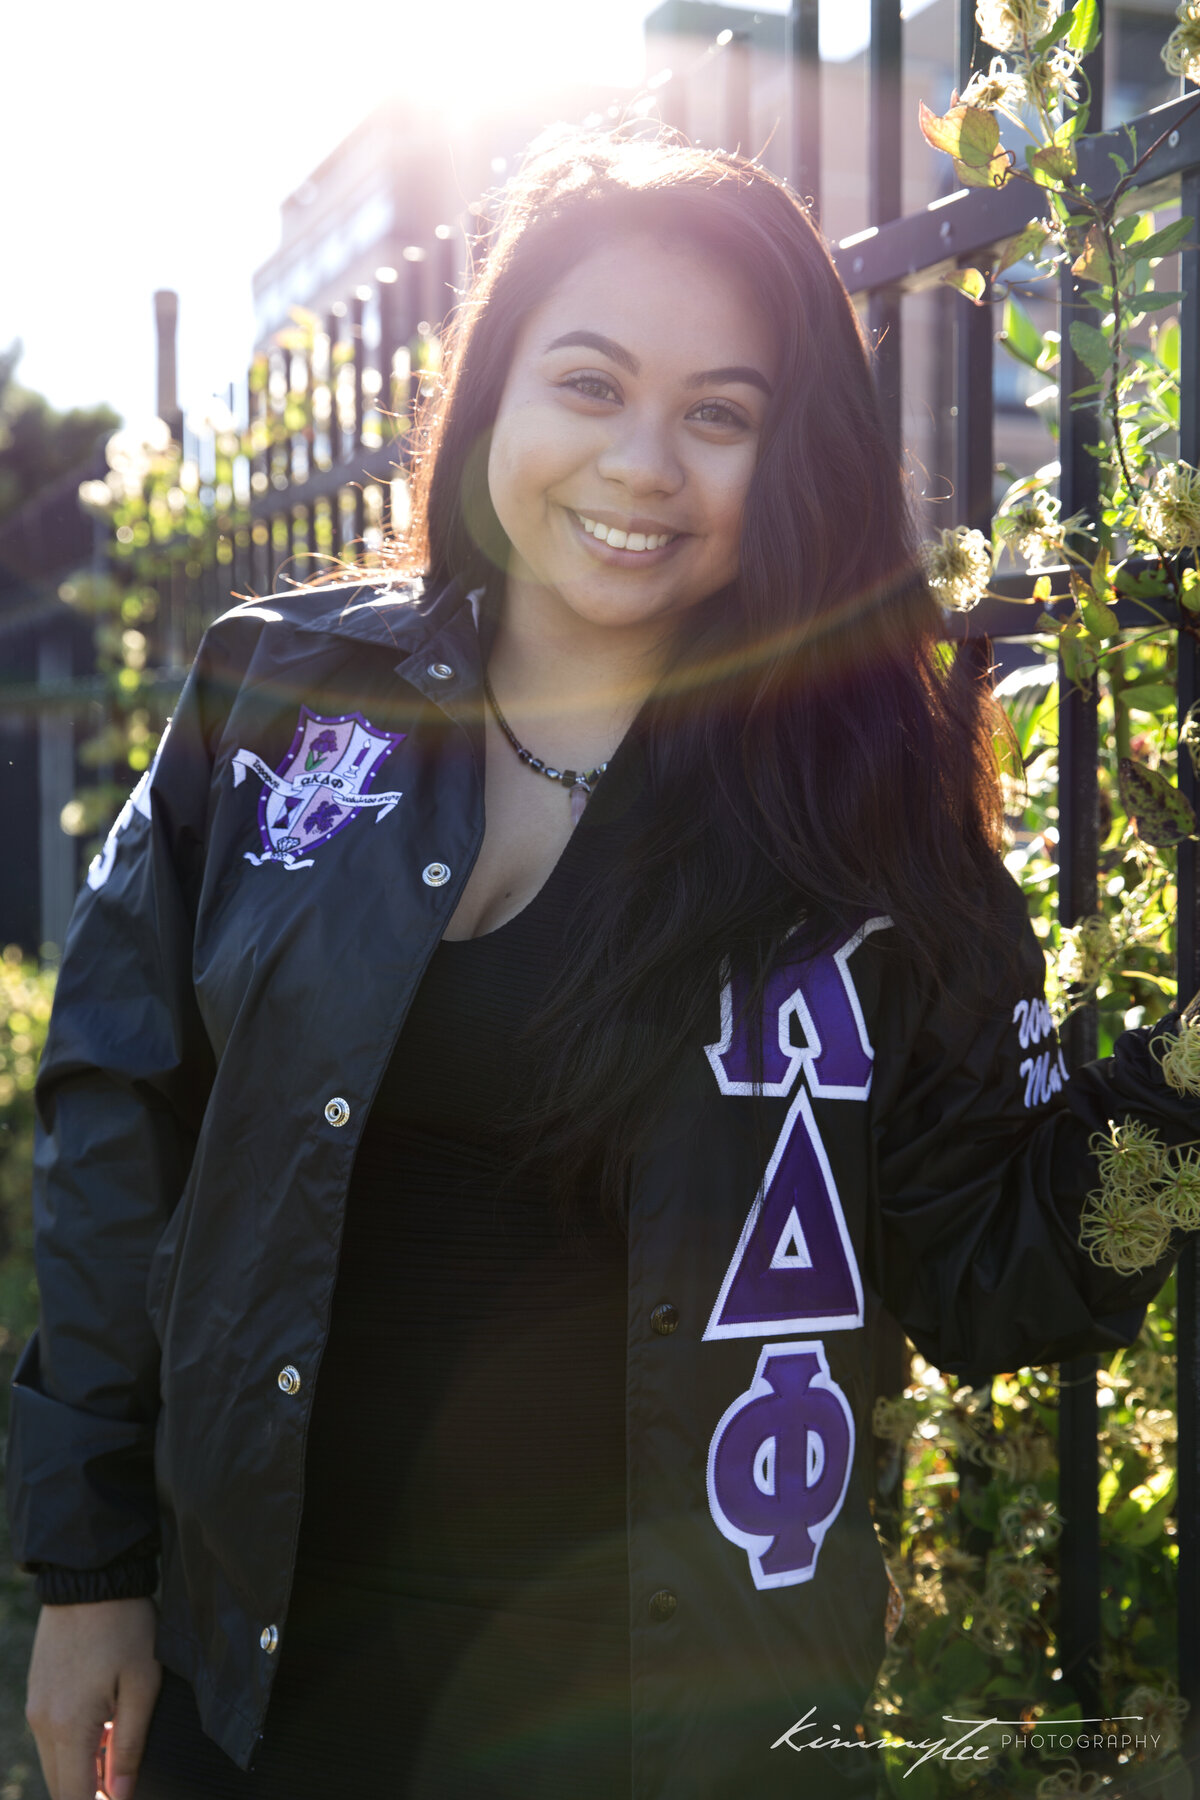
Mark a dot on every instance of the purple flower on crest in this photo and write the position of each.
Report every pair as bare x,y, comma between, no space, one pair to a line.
322,817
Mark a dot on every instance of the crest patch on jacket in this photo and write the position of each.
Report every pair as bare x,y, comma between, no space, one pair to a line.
321,784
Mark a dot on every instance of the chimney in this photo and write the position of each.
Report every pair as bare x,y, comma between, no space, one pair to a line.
166,316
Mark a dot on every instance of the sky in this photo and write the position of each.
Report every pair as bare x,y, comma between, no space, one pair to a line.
150,146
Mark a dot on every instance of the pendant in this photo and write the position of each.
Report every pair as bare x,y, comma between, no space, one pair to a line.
579,799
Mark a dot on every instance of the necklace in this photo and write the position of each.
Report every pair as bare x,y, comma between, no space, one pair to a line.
580,786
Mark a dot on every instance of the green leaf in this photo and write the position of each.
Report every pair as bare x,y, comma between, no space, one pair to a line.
1091,347
1110,1482
1100,619
1149,300
1168,345
1160,813
971,135
1085,27
1072,126
979,136
1020,336
943,132
1059,29
971,282
1148,696
988,175
1026,243
1161,243
1053,163
1093,260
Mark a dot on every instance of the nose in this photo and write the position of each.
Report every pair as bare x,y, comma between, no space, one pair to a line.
640,453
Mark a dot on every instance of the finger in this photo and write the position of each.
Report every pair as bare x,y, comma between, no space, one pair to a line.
75,1767
136,1694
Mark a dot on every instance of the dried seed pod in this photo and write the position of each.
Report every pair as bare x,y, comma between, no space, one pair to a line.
1179,1054
1123,1231
1182,1199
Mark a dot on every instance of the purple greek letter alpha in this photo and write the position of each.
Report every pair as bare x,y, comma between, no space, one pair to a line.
779,1463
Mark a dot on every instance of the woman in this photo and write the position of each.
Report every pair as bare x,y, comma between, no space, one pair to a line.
376,1053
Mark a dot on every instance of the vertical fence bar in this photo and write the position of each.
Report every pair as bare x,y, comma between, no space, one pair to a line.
803,54
883,189
973,353
891,1361
333,332
356,334
1187,1278
736,128
966,41
1078,853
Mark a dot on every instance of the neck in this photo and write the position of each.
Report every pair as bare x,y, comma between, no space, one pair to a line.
574,687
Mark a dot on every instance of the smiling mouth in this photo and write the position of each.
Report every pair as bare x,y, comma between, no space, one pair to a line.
616,539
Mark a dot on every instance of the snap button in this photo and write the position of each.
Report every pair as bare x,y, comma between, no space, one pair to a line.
665,1318
337,1110
435,875
441,671
269,1639
662,1605
289,1379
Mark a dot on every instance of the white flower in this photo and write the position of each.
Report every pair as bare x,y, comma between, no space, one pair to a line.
1007,24
1181,52
1169,512
1000,86
959,567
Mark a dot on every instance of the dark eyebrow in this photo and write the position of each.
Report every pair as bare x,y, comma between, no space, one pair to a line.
593,340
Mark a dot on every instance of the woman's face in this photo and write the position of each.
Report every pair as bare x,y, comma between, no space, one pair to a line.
633,408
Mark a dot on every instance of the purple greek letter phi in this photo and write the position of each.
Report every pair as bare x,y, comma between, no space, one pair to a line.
779,1463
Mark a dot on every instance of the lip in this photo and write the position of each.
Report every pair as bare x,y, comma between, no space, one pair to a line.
627,559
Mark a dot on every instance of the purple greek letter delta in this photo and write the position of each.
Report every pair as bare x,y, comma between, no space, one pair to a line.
794,1267
779,1463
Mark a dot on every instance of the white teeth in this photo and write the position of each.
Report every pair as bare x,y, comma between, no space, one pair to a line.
625,540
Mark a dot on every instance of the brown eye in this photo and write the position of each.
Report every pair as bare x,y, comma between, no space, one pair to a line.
592,387
717,412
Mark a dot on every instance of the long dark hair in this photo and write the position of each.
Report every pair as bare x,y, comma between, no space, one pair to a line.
813,753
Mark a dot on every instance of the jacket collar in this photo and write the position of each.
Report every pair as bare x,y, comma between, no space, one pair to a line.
441,635
400,615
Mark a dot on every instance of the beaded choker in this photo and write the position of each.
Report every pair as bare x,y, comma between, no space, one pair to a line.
578,784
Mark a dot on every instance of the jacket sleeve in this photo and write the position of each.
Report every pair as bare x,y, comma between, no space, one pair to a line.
983,1166
120,1095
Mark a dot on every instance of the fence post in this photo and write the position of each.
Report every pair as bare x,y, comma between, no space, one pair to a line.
1078,853
1188,955
883,186
803,57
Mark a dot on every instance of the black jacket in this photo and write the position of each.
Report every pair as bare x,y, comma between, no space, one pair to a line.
237,970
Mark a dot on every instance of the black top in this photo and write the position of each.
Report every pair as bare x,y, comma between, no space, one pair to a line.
459,1620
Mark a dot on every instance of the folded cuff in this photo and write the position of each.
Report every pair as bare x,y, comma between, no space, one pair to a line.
132,1579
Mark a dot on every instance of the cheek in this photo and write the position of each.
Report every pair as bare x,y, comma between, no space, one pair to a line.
727,503
528,455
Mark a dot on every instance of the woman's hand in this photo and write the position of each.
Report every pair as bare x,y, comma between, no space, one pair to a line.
92,1664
